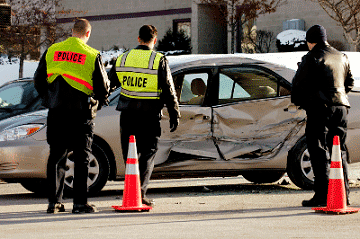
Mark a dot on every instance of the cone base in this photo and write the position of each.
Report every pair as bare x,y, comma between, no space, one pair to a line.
345,210
133,208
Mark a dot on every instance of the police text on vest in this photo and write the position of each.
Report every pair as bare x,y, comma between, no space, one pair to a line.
135,81
69,56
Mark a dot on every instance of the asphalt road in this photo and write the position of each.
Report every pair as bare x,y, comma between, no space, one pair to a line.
186,208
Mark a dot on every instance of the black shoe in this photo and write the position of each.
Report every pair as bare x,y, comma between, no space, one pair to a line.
314,203
55,208
84,208
148,202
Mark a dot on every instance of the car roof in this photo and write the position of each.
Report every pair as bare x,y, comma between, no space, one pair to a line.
178,63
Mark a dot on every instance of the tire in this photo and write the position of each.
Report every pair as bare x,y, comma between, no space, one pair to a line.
98,171
98,174
263,176
299,167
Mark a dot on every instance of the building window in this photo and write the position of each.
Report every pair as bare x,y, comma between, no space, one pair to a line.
182,24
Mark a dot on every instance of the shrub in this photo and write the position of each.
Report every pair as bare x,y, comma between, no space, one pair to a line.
175,43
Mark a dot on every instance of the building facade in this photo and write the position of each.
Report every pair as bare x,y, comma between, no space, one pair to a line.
116,23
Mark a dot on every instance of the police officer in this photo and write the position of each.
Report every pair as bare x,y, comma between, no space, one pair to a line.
320,86
73,84
146,85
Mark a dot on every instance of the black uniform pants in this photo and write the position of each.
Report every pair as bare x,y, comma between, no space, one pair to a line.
68,131
323,123
145,127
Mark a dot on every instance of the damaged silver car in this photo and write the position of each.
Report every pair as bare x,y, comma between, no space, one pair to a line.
236,119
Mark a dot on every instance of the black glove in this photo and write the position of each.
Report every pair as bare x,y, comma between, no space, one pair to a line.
174,122
102,103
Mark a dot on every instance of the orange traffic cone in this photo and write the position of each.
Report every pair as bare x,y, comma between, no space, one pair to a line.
336,197
132,190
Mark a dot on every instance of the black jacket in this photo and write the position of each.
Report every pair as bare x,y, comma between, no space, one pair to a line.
165,83
60,95
323,77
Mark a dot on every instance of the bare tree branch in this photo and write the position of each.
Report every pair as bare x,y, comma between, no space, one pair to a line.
29,18
347,14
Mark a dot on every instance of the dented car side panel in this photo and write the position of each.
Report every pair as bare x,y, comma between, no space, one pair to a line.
255,129
253,133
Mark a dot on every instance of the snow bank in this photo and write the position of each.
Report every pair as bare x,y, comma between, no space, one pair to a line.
288,59
290,37
10,72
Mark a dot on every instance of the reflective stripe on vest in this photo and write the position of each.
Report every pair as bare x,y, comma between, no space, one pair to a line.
74,61
137,71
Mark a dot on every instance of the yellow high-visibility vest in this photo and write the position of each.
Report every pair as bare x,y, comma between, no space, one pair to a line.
74,61
137,71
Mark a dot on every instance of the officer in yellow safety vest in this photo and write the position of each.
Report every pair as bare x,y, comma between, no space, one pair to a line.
146,85
73,84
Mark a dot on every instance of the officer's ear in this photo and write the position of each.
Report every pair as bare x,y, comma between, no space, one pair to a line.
155,40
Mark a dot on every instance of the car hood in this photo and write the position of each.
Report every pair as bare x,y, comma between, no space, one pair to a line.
29,118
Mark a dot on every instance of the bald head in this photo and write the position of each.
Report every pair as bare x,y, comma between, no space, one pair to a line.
82,29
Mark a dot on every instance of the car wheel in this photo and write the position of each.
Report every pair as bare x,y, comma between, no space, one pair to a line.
299,167
98,171
97,178
263,176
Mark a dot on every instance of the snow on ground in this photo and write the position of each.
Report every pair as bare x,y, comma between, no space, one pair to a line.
107,56
288,59
10,72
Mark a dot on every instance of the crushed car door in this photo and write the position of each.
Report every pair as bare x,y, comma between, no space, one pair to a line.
193,136
251,119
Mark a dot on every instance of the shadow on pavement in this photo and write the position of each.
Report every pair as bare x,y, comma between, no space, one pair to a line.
171,217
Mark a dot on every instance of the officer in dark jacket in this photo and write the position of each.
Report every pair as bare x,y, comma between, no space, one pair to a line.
320,87
73,84
146,85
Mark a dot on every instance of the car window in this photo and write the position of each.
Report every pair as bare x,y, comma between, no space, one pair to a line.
243,83
17,95
191,87
114,97
229,89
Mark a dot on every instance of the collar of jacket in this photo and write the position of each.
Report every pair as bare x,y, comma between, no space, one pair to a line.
320,45
143,47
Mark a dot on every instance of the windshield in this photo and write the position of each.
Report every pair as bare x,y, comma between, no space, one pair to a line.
17,95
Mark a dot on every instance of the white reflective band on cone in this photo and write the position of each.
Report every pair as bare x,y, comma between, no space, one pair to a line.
132,154
336,173
132,169
336,156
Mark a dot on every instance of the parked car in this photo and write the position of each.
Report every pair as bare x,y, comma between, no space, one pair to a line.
236,119
18,97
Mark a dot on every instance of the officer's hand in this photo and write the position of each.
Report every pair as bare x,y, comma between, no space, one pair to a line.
174,124
101,104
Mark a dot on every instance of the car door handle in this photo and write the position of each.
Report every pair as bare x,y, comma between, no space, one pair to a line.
291,109
198,117
205,117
